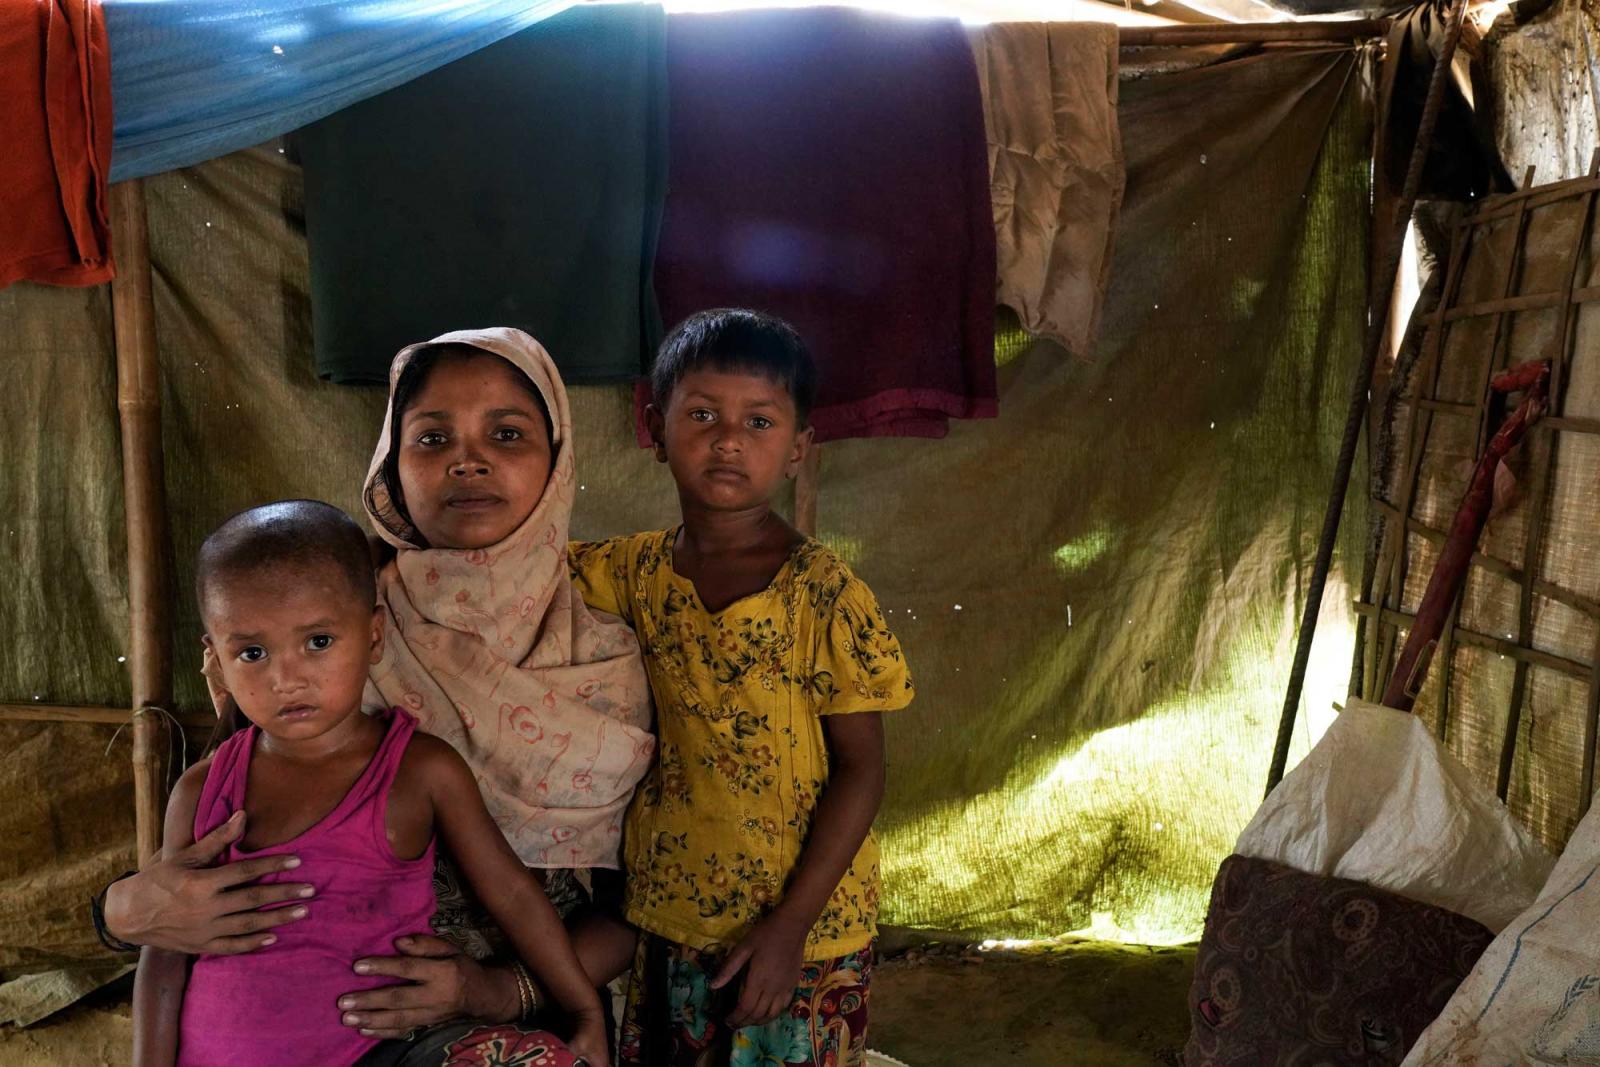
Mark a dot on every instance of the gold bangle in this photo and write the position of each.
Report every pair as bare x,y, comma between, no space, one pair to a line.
525,999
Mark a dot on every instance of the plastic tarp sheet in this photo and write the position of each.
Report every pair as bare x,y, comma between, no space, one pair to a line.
195,79
1098,591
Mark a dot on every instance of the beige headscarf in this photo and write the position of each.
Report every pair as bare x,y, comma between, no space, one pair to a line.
494,651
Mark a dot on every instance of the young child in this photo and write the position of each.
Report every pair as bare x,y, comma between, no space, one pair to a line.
752,873
287,596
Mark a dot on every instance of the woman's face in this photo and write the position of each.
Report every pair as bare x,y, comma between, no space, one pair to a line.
473,451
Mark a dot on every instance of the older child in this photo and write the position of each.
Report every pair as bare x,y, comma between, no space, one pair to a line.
751,868
287,596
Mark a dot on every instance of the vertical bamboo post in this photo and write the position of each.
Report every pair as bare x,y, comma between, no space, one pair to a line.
805,491
144,506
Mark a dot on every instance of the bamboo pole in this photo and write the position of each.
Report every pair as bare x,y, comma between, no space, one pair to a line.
1377,326
806,488
1250,33
82,715
144,506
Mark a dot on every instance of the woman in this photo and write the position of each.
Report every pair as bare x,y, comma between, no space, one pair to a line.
491,648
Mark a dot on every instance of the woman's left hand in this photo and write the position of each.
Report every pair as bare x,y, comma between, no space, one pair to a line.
772,956
438,984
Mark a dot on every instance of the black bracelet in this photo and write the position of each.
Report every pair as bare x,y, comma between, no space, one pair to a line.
97,910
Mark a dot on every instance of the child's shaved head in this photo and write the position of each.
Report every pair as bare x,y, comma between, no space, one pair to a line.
290,535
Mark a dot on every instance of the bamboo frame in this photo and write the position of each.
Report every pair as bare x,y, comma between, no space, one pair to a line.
81,715
1539,498
1250,33
1381,607
144,504
1504,646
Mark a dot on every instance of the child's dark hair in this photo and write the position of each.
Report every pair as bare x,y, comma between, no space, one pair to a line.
411,382
737,339
287,535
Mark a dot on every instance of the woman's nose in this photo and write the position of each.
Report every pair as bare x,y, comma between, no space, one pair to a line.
468,465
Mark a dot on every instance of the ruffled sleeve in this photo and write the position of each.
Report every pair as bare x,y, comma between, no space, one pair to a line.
600,574
858,664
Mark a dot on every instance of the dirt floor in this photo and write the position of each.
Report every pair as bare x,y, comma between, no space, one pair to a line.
1076,1002
1079,1002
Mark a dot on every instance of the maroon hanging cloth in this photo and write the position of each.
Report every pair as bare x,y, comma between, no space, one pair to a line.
55,142
830,166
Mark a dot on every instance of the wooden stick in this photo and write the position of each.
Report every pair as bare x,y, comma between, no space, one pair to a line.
1418,428
1492,208
806,487
144,505
1524,302
1361,386
93,716
1250,33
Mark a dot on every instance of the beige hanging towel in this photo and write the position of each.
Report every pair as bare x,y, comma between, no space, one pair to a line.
1055,168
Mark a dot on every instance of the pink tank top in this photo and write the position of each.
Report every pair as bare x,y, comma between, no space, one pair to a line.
278,1007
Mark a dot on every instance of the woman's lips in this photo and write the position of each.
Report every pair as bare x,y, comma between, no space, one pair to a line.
472,503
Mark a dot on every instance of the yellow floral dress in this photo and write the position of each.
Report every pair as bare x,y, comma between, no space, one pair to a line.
718,823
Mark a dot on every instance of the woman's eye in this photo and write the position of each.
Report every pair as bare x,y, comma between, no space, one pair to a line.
507,433
430,439
253,654
319,642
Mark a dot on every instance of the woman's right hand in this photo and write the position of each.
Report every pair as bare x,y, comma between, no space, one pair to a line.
588,1042
437,983
183,904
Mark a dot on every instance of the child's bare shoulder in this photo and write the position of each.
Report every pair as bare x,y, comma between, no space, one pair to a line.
432,762
182,803
189,784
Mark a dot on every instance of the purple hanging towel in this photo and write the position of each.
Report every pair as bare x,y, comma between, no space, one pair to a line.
830,166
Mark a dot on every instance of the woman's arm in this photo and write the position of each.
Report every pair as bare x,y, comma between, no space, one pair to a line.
508,891
775,948
159,985
183,904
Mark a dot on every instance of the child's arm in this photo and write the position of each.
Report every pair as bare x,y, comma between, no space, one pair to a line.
509,891
775,948
162,977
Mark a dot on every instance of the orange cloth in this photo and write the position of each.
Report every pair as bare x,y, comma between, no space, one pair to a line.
55,111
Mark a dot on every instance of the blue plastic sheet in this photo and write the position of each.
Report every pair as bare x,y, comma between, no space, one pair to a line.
194,79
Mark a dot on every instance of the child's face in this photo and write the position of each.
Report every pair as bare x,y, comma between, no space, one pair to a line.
731,438
474,453
294,647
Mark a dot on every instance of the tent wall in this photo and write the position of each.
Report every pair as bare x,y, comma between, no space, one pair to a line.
1097,591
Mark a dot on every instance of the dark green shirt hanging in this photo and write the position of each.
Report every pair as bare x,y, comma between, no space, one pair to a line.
520,186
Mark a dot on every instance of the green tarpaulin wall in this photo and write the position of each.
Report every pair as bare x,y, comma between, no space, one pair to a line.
1097,591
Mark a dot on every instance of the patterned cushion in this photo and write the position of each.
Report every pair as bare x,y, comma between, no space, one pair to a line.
1299,968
